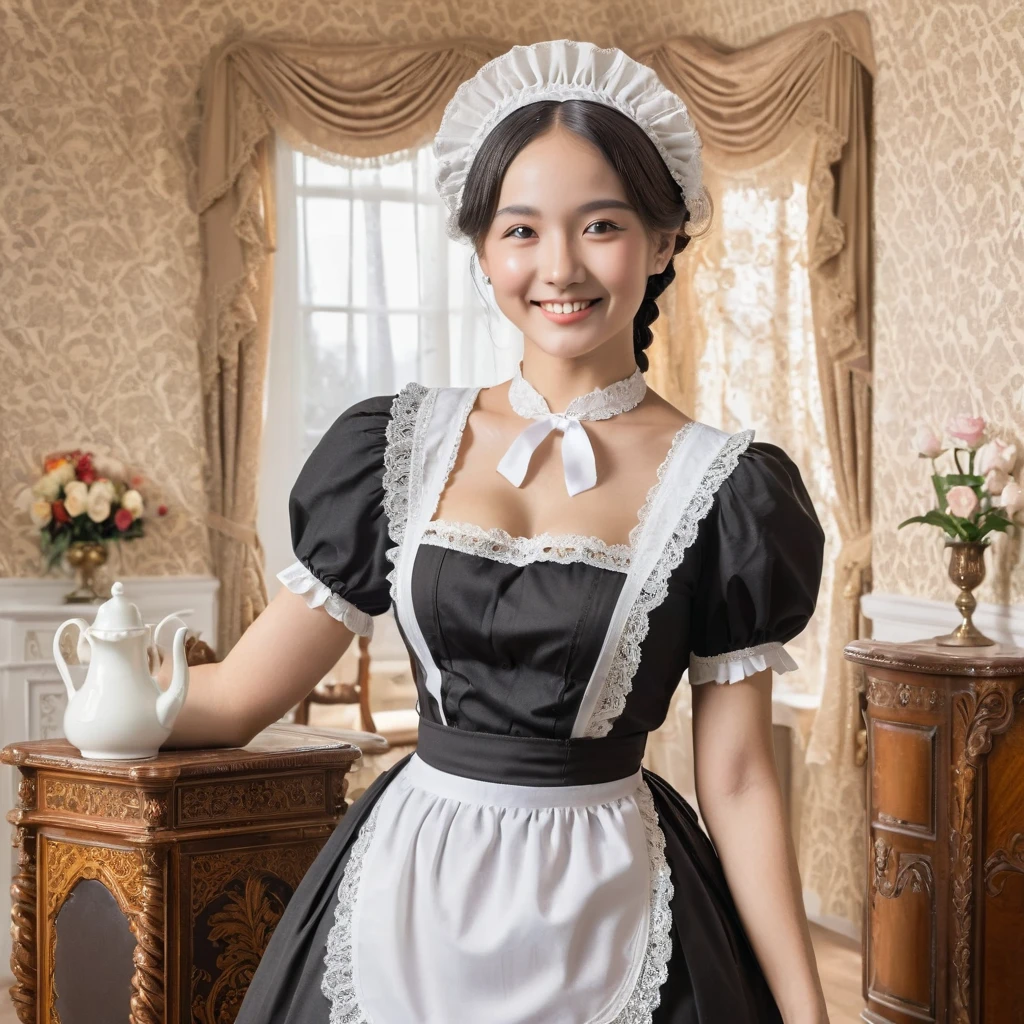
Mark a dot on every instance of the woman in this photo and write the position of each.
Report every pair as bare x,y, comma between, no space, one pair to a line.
521,866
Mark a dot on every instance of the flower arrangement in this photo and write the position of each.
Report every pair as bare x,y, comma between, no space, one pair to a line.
971,504
84,499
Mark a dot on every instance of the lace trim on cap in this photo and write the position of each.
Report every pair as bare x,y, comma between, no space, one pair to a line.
339,960
500,546
619,681
403,433
299,580
646,994
733,666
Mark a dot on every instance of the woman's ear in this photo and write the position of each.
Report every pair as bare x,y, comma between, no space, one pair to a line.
482,261
665,243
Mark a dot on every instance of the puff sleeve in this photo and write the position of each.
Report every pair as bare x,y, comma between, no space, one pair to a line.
338,524
761,549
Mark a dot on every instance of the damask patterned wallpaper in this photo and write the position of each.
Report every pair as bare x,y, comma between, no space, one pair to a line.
99,253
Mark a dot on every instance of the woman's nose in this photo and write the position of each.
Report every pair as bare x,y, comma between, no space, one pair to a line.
561,265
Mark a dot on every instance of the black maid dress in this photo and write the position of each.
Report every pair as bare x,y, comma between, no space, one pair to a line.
521,867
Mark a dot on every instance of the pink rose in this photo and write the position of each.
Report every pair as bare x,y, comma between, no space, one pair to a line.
961,501
123,519
995,454
927,442
966,428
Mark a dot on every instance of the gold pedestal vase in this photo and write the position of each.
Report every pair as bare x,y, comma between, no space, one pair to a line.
967,571
85,557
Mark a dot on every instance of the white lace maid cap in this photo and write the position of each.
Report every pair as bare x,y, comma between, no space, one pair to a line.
565,69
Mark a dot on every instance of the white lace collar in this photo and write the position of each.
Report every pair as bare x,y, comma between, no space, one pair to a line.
577,453
599,404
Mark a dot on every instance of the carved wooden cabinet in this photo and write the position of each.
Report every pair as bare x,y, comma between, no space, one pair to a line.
147,890
944,914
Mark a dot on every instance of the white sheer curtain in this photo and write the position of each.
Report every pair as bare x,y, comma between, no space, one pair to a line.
369,293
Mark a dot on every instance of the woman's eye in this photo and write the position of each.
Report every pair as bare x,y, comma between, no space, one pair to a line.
518,227
608,223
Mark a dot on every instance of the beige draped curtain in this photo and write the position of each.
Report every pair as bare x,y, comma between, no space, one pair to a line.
812,81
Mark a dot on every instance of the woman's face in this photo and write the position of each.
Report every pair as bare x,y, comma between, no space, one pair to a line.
564,232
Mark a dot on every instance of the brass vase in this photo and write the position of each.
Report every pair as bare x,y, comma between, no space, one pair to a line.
85,557
966,570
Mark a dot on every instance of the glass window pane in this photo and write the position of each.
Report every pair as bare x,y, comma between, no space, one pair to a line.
398,231
334,370
327,247
319,172
358,247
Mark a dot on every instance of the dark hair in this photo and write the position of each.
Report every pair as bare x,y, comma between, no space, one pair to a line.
649,186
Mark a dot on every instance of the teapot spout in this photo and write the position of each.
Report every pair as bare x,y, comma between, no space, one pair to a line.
169,703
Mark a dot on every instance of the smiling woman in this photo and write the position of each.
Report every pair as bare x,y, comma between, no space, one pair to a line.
522,867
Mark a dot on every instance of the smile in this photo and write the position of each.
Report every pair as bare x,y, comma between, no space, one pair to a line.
567,312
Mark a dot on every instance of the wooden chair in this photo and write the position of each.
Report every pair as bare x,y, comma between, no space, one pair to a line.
399,727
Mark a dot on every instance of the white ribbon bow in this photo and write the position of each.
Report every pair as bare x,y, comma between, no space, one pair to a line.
577,452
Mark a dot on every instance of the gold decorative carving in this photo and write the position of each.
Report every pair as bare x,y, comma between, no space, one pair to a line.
147,924
27,792
243,929
884,693
211,872
232,800
977,717
1002,861
154,809
911,868
96,799
24,965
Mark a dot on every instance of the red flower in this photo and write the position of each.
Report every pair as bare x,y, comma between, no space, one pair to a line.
162,510
87,476
60,513
84,463
122,519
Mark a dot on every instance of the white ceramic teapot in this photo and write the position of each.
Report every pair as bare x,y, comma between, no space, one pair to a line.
120,712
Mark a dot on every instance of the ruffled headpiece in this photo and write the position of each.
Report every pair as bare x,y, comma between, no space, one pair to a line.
566,69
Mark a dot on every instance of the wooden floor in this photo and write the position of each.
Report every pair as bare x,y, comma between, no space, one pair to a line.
838,965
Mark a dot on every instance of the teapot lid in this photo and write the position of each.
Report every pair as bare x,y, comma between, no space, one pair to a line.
117,617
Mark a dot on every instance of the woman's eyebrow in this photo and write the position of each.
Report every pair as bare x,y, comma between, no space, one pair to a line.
594,204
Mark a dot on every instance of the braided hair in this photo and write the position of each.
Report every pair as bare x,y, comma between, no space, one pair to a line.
648,311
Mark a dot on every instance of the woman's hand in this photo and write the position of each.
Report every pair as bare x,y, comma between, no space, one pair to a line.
276,662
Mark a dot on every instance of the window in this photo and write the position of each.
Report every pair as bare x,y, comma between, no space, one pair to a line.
369,293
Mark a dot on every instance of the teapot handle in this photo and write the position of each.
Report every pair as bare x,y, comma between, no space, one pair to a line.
58,657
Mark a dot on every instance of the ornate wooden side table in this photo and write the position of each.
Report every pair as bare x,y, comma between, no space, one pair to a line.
944,914
146,891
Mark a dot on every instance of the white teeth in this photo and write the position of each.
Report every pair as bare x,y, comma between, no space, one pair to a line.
565,307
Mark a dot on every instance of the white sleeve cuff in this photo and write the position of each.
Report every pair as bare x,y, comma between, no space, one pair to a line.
299,580
733,666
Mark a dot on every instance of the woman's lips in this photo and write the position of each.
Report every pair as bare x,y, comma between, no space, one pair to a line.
568,318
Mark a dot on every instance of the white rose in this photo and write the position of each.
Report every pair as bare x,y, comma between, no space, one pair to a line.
76,497
995,454
47,487
995,480
41,512
927,442
64,473
104,488
98,505
1011,501
132,501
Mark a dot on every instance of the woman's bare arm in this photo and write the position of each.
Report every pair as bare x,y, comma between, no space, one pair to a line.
741,803
278,660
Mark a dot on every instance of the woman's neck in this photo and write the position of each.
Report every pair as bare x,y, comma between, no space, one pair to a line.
559,381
